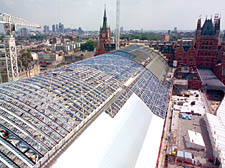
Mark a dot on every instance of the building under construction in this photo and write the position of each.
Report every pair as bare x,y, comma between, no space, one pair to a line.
63,116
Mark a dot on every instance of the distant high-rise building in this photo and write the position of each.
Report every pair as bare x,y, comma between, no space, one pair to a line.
175,30
61,28
23,32
223,36
53,28
80,30
46,29
121,29
57,28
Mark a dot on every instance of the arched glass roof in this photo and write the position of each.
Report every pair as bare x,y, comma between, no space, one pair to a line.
39,115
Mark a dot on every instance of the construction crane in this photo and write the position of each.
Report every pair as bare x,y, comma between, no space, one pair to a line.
117,24
10,22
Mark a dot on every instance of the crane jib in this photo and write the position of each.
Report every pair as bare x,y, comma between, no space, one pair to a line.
6,18
10,23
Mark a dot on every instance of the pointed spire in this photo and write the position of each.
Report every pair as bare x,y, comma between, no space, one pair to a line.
199,24
105,12
104,27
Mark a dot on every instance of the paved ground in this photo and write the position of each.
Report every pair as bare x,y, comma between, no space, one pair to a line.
166,129
180,127
197,125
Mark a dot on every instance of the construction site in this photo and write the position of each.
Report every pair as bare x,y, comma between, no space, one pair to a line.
127,105
188,140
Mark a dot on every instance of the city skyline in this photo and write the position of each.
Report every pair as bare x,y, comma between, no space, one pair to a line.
149,15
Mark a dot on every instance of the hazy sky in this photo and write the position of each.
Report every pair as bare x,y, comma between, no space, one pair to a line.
135,14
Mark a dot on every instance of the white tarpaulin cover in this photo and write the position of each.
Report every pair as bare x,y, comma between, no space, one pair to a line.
216,129
131,139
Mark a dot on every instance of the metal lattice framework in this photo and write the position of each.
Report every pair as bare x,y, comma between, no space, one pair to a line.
39,115
117,24
10,23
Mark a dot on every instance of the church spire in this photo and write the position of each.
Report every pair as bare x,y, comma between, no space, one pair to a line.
105,11
104,20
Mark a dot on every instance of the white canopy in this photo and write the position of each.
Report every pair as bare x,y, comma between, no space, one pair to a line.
131,139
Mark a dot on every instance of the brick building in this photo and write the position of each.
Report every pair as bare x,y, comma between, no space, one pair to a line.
105,44
206,51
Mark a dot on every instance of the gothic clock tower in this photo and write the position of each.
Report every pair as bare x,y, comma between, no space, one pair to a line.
104,36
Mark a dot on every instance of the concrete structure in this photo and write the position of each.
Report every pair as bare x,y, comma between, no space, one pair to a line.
31,71
24,72
187,131
46,29
61,28
53,28
3,70
78,56
40,117
47,58
194,140
23,32
57,28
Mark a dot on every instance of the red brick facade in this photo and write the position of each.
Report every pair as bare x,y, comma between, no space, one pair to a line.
205,52
104,37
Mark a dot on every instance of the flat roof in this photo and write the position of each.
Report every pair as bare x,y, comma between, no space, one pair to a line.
210,80
180,82
196,138
194,96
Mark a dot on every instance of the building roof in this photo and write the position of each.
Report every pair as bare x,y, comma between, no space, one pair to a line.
208,28
149,58
116,148
196,138
39,115
210,81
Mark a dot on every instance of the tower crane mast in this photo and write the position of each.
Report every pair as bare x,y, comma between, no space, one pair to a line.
10,22
117,24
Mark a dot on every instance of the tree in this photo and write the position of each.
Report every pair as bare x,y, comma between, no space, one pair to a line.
173,38
1,37
26,59
89,45
142,36
39,37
